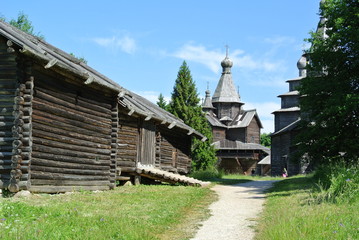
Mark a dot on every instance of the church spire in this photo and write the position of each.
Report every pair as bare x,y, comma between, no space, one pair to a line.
226,90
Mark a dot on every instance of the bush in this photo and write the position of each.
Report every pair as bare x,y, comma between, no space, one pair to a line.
207,174
338,182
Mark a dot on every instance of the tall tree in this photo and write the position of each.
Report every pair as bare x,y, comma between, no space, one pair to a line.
266,139
162,102
185,104
24,24
331,91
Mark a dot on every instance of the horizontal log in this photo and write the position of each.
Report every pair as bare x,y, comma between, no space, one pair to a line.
128,169
59,171
59,176
71,157
39,118
67,146
49,96
75,135
72,97
123,178
67,114
61,189
126,163
68,124
37,182
67,165
68,140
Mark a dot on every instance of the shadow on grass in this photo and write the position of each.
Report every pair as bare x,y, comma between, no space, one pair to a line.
228,181
288,186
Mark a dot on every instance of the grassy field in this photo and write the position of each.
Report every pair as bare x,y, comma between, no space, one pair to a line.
292,212
133,212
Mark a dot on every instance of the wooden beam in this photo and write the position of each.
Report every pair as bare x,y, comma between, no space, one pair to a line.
172,125
51,63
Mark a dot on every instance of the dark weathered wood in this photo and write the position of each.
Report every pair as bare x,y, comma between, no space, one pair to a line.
57,136
76,171
77,155
69,165
128,169
58,176
55,122
69,115
68,146
126,163
71,103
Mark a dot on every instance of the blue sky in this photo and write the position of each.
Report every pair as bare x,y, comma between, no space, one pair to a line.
141,44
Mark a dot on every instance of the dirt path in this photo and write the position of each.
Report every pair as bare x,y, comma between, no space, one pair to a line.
235,211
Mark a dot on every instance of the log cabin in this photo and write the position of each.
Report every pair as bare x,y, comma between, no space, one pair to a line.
65,126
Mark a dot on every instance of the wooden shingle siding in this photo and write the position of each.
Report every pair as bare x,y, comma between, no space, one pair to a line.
71,131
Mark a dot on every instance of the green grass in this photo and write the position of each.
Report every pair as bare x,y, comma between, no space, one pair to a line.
291,213
134,212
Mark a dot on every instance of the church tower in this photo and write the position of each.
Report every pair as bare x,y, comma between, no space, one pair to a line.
226,99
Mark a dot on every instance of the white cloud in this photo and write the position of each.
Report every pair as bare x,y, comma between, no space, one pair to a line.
125,43
212,58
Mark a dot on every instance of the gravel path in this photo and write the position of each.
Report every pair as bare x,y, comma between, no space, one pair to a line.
235,211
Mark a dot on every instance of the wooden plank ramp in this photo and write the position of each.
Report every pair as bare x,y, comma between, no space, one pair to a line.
164,176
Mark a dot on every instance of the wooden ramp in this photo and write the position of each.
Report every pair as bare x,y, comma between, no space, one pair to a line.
164,176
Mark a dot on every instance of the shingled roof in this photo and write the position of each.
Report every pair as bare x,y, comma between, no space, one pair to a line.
56,58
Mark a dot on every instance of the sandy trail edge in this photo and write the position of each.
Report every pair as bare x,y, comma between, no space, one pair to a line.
235,211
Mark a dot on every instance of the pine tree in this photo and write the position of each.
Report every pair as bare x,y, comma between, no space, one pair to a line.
162,102
185,104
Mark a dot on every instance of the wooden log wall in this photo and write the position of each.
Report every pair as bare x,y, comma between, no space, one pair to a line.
8,86
128,141
174,151
74,137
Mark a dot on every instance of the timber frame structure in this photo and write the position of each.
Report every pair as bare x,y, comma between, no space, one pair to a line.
66,127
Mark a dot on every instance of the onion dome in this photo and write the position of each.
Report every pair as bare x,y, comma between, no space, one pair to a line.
301,64
226,65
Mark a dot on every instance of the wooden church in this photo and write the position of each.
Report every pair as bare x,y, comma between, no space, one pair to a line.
236,132
65,126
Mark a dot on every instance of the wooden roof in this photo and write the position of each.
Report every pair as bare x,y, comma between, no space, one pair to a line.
54,57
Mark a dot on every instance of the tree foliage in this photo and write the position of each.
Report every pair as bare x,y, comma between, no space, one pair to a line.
185,104
24,24
331,90
162,102
266,139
